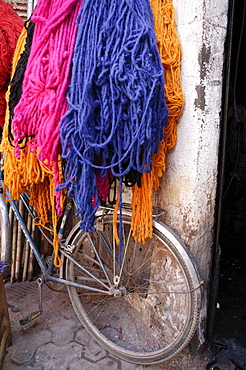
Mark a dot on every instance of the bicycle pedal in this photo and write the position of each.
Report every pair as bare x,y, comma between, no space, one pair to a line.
30,317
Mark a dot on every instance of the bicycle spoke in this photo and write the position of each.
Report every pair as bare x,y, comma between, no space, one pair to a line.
95,262
148,310
85,270
94,308
99,259
139,267
114,258
106,243
125,251
108,318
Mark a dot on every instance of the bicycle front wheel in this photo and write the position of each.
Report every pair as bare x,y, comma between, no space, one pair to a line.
141,301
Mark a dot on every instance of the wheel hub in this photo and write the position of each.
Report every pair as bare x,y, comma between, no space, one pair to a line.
118,291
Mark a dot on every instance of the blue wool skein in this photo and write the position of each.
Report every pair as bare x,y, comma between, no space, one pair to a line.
116,113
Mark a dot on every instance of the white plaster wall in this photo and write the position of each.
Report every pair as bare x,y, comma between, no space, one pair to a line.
188,189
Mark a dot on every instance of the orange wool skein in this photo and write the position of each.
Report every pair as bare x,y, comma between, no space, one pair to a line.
170,52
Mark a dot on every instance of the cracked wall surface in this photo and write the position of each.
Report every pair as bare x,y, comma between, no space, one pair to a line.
188,188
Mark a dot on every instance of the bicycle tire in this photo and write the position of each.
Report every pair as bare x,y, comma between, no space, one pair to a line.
151,314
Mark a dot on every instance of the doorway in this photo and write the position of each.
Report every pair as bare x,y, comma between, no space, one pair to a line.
230,318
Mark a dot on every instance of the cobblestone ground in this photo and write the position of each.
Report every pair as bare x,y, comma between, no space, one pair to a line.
57,340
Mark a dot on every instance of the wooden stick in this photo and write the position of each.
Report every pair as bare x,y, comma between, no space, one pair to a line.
27,249
19,244
31,256
14,240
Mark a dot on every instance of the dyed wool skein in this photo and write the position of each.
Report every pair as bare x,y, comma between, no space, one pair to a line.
17,79
117,113
10,28
43,100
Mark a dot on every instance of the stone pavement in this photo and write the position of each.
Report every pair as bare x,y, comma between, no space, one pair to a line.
57,340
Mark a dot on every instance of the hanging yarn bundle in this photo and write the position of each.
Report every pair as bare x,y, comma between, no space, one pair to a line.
43,102
117,113
10,29
170,53
20,47
115,122
17,79
19,171
37,169
17,176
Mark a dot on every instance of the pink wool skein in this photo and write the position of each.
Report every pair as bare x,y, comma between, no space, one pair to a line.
47,76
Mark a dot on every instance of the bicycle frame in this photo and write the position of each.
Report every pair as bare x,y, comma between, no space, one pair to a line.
112,287
156,279
46,270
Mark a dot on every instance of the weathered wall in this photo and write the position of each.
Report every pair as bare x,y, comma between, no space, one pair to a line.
188,190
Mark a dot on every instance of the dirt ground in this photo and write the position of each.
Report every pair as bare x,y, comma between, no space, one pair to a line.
23,298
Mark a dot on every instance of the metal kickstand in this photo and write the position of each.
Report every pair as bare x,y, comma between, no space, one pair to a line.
37,313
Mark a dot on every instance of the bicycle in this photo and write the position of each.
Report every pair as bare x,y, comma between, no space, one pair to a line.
144,307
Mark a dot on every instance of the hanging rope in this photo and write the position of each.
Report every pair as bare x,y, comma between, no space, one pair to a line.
10,29
170,52
116,112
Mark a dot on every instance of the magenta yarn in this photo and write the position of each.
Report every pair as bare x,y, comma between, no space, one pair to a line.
47,76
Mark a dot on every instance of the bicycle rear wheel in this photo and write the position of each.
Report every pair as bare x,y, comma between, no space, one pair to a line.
142,305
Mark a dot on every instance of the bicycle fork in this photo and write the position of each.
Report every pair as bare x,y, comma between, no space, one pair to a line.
37,313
